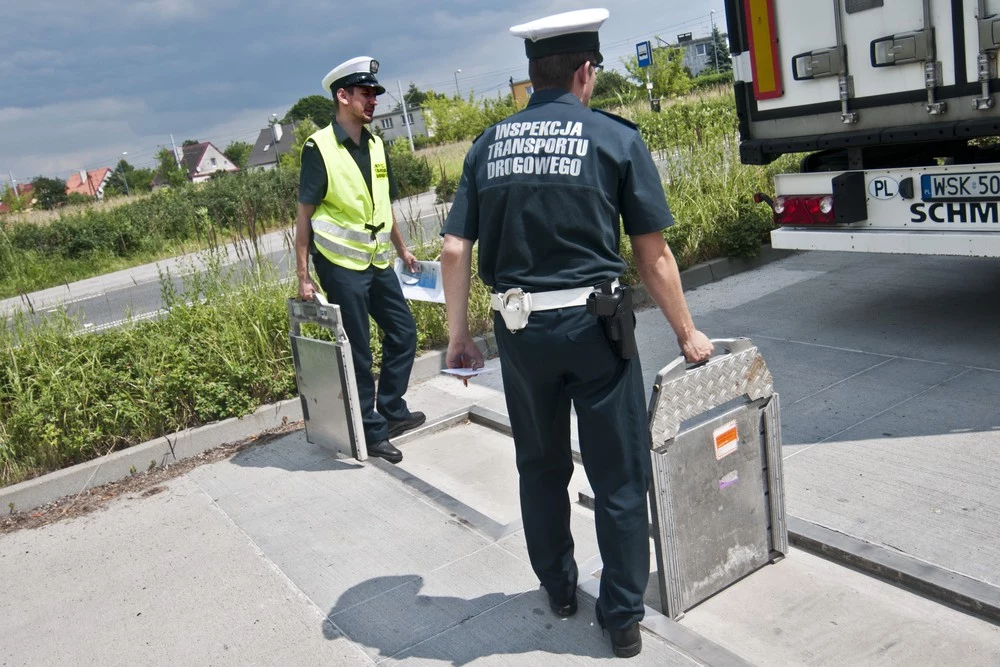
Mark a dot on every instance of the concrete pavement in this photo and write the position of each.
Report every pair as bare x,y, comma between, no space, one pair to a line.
285,555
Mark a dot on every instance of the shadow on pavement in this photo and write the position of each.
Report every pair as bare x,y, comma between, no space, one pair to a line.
389,615
293,453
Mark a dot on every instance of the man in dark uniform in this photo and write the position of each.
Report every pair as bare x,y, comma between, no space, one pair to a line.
542,192
345,220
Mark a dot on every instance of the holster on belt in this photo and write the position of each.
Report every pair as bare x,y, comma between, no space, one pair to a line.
614,308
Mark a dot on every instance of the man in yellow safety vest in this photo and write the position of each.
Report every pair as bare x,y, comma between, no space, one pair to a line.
345,221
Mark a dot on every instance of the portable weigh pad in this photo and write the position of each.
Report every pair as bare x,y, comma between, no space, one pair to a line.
717,502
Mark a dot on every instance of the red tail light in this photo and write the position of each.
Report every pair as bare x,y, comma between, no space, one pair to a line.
797,210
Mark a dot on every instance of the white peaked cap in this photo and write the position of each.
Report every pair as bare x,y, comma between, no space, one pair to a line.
358,71
562,33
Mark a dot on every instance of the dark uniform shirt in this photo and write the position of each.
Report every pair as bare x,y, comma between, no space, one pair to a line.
542,192
313,178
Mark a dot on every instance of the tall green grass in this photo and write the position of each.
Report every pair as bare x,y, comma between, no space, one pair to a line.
97,240
709,190
221,351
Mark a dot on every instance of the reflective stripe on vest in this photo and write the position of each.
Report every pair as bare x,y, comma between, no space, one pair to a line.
366,257
352,226
331,229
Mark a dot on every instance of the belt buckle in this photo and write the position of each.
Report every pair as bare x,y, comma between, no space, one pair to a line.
516,306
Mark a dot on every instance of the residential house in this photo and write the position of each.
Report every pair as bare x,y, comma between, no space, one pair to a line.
392,126
698,53
272,142
204,160
521,91
21,189
89,183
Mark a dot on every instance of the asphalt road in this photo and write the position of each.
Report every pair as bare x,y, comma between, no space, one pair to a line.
135,294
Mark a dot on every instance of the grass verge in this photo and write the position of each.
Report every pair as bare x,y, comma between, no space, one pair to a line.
222,350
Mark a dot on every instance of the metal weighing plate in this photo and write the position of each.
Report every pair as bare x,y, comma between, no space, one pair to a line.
716,498
321,379
324,375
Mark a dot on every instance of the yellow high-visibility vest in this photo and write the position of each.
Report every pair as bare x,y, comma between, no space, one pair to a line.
352,226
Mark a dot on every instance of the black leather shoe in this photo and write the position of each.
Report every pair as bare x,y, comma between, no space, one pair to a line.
626,643
563,609
401,426
384,450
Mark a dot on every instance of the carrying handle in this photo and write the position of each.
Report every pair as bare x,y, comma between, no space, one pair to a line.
679,366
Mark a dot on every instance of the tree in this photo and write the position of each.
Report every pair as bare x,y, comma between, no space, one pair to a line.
137,180
15,202
610,82
238,152
141,180
292,160
718,48
50,192
666,72
414,97
317,108
169,172
454,119
190,142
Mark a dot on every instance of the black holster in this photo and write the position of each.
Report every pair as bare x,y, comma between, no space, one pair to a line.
614,309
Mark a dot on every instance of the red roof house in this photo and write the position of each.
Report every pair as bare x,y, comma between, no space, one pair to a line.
90,183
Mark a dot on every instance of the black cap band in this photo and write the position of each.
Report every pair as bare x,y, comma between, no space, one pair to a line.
357,79
571,43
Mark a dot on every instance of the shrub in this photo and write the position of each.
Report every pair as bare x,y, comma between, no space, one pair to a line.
244,204
68,397
412,173
446,187
77,198
708,80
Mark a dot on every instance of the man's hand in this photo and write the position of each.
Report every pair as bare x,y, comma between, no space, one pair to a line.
307,289
463,353
696,347
411,263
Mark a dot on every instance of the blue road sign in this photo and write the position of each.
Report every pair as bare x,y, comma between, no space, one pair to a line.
644,53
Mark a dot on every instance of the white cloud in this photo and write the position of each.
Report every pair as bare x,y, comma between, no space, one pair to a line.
83,81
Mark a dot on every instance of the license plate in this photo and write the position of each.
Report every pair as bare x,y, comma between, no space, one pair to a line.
973,186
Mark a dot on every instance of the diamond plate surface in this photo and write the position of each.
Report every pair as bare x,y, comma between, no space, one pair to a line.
701,389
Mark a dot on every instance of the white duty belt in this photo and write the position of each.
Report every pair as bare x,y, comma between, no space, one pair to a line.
515,305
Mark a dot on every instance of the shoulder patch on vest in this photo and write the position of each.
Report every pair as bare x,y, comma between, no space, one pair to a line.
623,121
310,143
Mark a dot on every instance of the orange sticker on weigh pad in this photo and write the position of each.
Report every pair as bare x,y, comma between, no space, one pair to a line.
726,440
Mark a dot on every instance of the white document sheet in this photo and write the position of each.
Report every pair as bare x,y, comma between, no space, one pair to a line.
423,286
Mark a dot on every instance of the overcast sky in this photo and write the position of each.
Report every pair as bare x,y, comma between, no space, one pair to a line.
81,81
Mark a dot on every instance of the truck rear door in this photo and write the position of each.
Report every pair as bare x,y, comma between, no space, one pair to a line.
818,74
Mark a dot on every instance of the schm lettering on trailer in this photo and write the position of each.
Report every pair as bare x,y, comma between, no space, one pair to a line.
955,213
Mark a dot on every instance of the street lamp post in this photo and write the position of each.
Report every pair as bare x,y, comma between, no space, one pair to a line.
457,93
715,47
272,121
124,179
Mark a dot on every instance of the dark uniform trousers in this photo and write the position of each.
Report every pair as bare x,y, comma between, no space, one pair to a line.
561,356
375,291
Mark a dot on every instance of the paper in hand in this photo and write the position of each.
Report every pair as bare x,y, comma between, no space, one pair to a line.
466,372
423,285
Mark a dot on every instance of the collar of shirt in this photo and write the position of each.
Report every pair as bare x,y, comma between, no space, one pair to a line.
345,139
557,95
